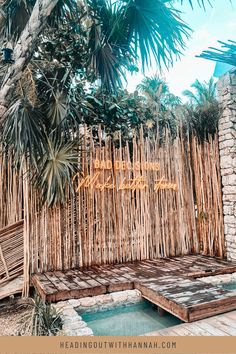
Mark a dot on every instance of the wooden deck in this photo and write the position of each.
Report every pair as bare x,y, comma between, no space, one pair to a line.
221,325
169,283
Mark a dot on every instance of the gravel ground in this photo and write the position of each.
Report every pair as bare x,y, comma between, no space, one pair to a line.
13,319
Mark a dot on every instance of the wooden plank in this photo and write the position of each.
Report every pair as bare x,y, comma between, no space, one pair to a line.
69,283
44,287
225,324
77,291
211,329
56,281
72,274
212,308
230,315
183,331
163,302
94,274
196,330
124,283
113,282
80,288
186,298
221,271
4,262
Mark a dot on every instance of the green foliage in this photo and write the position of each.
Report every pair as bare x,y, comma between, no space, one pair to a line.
23,133
204,93
202,111
124,32
122,112
164,105
14,15
152,33
56,168
41,319
225,55
44,319
75,77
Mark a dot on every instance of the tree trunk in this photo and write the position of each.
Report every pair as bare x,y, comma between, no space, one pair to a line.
24,48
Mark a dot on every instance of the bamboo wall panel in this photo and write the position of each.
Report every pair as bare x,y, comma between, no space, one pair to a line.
207,187
11,188
114,226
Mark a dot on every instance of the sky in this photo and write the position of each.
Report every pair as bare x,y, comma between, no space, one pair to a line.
216,23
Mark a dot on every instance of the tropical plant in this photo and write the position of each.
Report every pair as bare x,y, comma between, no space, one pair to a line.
61,48
43,320
203,94
46,320
126,31
157,92
119,33
162,102
202,110
225,55
120,112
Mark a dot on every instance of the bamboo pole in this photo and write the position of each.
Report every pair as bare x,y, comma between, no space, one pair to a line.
116,225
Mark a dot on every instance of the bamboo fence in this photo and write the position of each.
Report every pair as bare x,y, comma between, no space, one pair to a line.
118,225
11,193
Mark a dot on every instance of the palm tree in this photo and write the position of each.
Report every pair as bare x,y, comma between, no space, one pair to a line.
204,93
125,32
58,47
21,25
163,104
157,93
154,89
202,109
120,33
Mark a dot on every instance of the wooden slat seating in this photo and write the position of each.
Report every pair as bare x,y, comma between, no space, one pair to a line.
11,251
168,283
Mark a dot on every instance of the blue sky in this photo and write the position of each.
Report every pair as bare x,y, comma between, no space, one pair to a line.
217,23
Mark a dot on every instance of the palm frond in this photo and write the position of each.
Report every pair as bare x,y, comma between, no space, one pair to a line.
190,95
106,44
200,3
153,87
23,131
127,31
43,320
155,29
204,92
58,108
107,67
202,111
15,14
55,171
225,55
64,10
